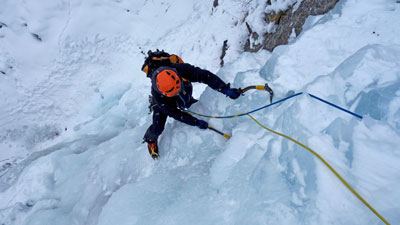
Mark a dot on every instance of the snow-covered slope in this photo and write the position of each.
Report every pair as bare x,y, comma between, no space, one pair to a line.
73,111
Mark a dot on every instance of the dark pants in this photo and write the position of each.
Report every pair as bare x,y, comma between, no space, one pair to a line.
159,120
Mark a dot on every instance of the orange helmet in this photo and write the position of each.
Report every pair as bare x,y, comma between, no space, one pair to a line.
168,82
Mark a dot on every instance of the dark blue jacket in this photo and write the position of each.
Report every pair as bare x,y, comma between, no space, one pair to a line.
173,106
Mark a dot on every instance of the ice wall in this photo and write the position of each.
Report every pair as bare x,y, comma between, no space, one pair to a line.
99,172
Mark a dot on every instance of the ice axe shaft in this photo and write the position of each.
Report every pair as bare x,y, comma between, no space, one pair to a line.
219,132
260,87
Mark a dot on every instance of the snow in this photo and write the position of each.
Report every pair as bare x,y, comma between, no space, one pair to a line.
73,111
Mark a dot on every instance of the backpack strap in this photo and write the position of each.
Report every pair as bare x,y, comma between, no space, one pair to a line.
168,59
175,59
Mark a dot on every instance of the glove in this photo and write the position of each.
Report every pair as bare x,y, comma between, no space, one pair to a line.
153,150
232,93
202,124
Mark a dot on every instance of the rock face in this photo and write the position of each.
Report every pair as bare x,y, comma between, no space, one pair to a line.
285,23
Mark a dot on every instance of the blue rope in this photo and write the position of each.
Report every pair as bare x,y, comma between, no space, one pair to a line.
266,106
331,104
243,114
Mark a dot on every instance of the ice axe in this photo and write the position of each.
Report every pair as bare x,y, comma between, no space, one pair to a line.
219,132
260,87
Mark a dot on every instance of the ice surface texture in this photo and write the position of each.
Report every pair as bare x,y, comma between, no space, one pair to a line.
87,78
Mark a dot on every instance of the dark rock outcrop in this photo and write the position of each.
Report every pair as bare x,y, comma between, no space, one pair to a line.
286,22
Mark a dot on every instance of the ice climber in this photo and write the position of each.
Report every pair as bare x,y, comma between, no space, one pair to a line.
171,92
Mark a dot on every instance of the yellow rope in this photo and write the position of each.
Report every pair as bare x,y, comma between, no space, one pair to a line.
313,152
329,166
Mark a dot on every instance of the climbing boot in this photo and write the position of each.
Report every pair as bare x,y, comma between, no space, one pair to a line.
153,150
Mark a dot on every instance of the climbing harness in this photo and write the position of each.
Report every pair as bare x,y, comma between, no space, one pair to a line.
260,87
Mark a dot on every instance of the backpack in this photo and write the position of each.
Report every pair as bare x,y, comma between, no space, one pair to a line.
155,60
158,58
